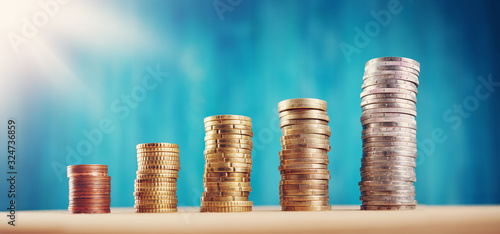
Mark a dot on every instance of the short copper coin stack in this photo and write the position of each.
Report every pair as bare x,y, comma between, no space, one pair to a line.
89,189
388,103
228,164
304,156
157,174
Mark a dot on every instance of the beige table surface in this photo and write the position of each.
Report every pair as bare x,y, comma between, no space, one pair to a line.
264,219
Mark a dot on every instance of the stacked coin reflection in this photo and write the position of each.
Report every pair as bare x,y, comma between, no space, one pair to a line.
228,164
89,189
304,156
157,174
388,103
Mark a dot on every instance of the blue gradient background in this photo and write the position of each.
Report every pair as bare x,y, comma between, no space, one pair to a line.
65,80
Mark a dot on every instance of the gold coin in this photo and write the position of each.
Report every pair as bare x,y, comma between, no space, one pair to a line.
240,146
151,150
154,189
226,194
307,131
301,112
306,145
305,203
156,184
155,202
303,151
323,117
305,140
157,145
225,203
158,197
229,131
158,158
156,176
159,167
227,189
302,166
229,160
296,192
306,208
228,121
240,165
155,193
227,174
304,161
226,179
227,198
305,198
302,103
222,155
226,209
152,162
147,210
305,177
313,182
164,172
303,186
155,206
305,171
226,184
284,123
158,154
304,156
229,117
228,169
227,151
226,136
228,141
227,126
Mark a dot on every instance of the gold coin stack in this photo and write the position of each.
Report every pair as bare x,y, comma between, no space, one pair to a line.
157,174
304,156
228,164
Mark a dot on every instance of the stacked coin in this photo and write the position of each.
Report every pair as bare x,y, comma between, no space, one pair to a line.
156,183
304,156
388,103
228,164
89,189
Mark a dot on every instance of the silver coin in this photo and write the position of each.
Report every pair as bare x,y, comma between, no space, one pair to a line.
385,129
386,168
389,143
390,72
387,173
388,163
389,120
389,105
385,183
374,203
401,198
385,178
369,91
392,63
390,138
387,59
365,116
371,69
386,77
368,101
388,192
389,149
388,81
395,156
388,134
391,207
387,188
390,124
412,89
391,110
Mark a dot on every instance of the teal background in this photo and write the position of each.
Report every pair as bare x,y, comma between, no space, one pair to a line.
73,74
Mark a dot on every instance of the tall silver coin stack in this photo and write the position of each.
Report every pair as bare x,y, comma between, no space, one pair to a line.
388,103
